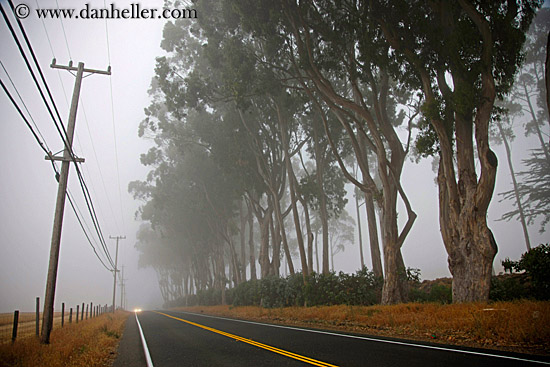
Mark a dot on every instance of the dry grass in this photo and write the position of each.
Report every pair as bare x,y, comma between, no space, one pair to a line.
522,326
89,343
26,325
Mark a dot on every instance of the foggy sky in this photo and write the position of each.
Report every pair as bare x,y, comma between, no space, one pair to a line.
28,187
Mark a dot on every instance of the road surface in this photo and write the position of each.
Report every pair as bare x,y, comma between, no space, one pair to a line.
185,339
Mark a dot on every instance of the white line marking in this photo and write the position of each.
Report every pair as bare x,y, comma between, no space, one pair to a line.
374,339
145,349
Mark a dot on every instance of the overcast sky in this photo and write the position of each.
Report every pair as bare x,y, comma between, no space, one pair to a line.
28,187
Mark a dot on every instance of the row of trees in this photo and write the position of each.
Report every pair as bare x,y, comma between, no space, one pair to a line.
262,110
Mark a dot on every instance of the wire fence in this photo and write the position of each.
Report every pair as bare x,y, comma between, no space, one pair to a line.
26,324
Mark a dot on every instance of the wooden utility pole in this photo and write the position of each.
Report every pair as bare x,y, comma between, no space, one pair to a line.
122,289
67,157
115,271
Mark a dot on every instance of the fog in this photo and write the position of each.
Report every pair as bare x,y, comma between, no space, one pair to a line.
28,187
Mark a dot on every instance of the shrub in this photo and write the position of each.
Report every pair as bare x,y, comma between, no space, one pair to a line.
437,293
536,263
273,292
509,287
247,294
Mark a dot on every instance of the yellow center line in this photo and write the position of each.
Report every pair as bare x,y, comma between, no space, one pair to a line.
255,343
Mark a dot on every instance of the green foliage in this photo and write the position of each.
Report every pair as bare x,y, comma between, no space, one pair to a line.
247,293
533,283
536,263
438,293
534,190
509,265
509,287
361,288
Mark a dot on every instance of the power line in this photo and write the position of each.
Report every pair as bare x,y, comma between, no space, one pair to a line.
24,105
23,117
64,34
86,234
43,146
85,119
113,120
62,134
21,51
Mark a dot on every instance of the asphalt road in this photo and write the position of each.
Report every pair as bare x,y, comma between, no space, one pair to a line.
184,339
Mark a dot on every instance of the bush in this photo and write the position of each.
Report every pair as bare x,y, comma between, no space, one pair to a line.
361,288
209,297
273,292
509,287
536,263
438,293
247,294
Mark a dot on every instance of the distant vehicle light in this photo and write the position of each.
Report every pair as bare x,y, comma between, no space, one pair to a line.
137,309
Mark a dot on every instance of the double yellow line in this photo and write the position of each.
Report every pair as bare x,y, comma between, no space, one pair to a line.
256,344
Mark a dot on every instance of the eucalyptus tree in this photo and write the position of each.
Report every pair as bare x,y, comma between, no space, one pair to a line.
529,93
347,72
505,135
341,234
530,87
463,56
200,167
275,109
191,82
161,254
332,58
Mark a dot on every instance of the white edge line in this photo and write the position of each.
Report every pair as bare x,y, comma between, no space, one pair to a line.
145,349
374,339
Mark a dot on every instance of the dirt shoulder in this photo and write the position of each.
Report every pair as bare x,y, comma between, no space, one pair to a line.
522,326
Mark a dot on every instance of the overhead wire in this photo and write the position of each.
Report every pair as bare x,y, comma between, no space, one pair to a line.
43,141
113,120
64,34
85,119
61,130
43,145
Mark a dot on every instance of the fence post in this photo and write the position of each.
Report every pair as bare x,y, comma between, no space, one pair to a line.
87,312
37,316
15,324
62,314
82,312
77,313
71,315
91,309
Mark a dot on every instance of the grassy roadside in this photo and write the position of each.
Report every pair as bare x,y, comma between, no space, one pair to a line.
89,343
522,326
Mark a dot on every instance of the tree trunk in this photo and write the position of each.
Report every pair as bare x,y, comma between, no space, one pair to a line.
282,231
373,236
470,246
317,250
283,126
395,289
251,251
276,238
319,163
243,241
359,228
332,256
264,244
309,238
516,192
371,222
